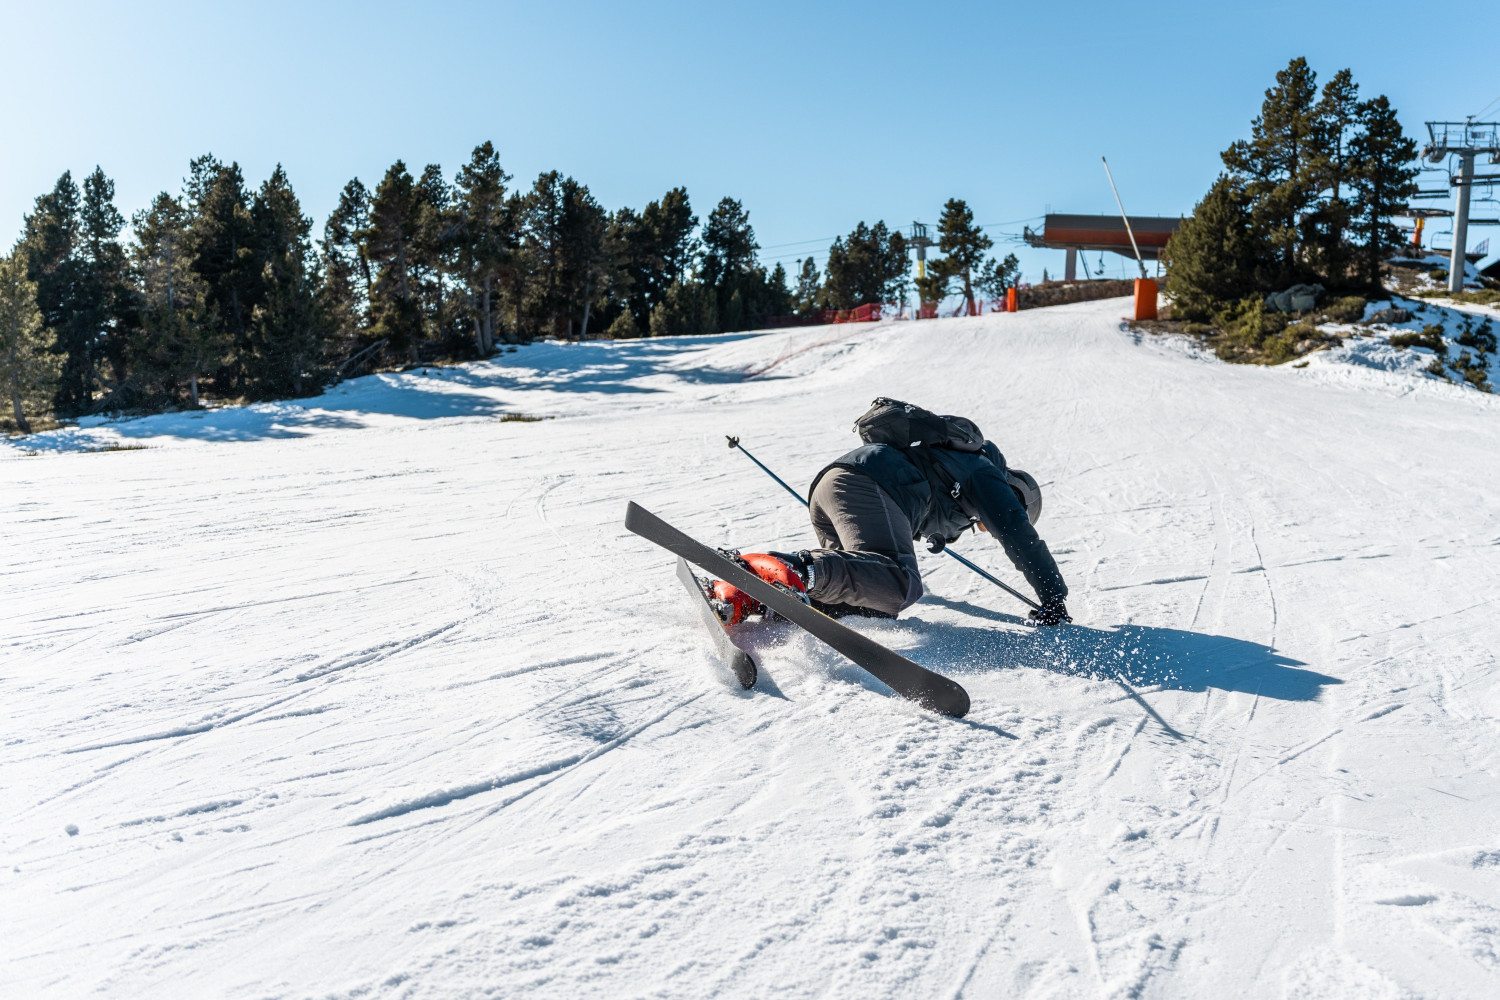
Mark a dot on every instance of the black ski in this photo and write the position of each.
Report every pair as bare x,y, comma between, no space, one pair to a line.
908,679
732,656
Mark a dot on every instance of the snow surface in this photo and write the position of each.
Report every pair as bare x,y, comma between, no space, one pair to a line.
373,695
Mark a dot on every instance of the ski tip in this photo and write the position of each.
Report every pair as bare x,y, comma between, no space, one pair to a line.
744,669
954,703
635,516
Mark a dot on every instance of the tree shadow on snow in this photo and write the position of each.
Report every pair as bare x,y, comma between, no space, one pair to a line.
242,423
605,366
1141,655
430,393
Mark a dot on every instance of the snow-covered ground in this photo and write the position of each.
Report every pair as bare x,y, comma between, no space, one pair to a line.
372,695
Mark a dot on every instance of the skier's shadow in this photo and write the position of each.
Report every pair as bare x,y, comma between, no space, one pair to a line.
1141,655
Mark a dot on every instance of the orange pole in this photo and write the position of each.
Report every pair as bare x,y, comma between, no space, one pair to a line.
1010,300
1145,298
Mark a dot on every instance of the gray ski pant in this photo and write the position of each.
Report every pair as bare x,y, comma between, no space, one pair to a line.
867,559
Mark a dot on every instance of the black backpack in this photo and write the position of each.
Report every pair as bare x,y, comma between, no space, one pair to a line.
923,435
905,426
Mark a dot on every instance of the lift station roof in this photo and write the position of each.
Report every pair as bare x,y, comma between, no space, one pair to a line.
1104,232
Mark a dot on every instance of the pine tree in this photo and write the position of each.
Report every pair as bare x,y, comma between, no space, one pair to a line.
1281,165
688,309
1312,175
808,295
637,267
588,264
733,281
434,246
869,266
28,370
671,223
779,291
108,302
1213,257
112,306
1336,115
844,270
728,245
1383,177
223,245
518,274
179,342
83,286
995,276
289,326
203,171
933,287
963,244
754,297
347,273
611,285
623,327
390,242
657,248
55,265
628,236
567,257
486,237
545,297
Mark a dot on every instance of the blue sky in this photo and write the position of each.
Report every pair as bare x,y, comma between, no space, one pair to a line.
816,116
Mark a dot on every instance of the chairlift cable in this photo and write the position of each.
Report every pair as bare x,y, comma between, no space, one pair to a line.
1485,108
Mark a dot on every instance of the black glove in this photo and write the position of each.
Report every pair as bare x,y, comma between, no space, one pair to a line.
1053,612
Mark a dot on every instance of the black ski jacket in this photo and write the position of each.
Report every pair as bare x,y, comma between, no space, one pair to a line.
944,492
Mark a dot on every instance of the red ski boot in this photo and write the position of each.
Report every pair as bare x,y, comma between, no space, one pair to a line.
784,572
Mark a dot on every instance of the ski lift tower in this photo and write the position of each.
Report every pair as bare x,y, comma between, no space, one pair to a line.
1465,140
920,240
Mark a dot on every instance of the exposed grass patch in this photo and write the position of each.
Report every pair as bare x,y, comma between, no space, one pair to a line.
116,446
1345,309
1247,333
38,424
520,418
1472,370
1481,297
1473,362
1430,337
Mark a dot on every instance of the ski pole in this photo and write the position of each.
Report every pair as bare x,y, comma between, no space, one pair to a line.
734,442
1003,586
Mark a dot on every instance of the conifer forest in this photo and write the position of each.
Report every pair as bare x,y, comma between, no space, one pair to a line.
224,291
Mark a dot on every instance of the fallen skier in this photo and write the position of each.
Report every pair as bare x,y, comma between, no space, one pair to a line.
918,474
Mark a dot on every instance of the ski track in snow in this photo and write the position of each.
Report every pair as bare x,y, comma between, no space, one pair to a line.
373,695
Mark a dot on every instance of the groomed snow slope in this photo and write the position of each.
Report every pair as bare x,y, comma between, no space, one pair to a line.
373,695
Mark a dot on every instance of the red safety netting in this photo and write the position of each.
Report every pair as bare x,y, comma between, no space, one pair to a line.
860,314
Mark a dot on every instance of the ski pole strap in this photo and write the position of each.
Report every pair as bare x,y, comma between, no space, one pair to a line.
734,442
1009,590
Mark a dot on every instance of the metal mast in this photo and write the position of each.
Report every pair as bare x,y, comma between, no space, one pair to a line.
1465,140
920,240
